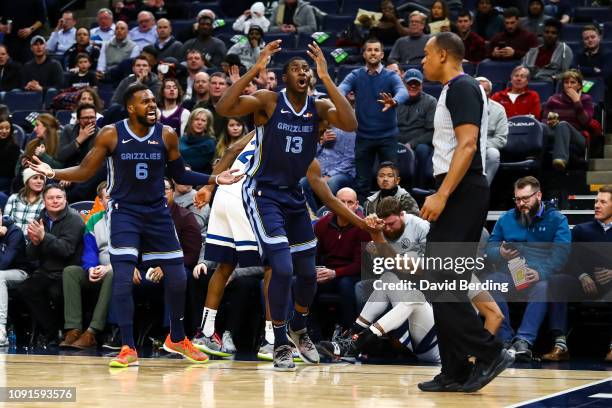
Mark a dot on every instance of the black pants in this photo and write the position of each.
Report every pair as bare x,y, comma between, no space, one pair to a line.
38,291
460,331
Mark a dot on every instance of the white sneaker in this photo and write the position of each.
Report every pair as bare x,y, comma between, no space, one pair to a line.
3,337
228,343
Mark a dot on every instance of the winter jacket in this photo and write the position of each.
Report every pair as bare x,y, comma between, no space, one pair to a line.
304,18
560,62
12,247
408,204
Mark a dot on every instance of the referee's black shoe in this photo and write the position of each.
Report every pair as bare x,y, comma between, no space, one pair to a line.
440,383
483,374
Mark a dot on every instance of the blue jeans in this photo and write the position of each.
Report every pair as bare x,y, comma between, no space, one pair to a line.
424,168
366,151
335,183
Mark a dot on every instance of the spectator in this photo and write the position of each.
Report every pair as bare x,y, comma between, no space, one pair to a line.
141,73
197,145
13,267
475,48
559,9
377,127
184,196
497,131
44,141
409,49
195,65
593,60
166,45
172,10
336,156
11,77
42,73
514,42
77,140
94,272
172,113
567,114
127,10
550,59
388,179
390,27
82,45
9,151
27,18
592,261
438,17
26,205
293,16
487,22
339,256
213,50
218,84
518,99
530,222
82,76
200,92
255,16
88,95
249,51
105,31
56,241
118,49
235,129
395,67
145,33
535,18
64,34
271,81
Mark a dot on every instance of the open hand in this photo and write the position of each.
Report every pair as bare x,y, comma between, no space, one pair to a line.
203,196
266,54
316,53
387,101
200,270
234,73
40,167
229,177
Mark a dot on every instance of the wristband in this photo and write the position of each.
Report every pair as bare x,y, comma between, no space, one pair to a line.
217,179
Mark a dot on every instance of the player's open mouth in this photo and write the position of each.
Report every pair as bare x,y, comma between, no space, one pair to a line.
152,115
302,82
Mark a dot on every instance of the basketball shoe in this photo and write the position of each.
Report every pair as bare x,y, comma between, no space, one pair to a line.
227,343
127,357
211,345
305,347
266,352
283,358
186,349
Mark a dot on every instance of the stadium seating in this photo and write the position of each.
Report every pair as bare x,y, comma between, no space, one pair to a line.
22,100
350,7
288,39
63,116
336,23
571,32
525,145
496,71
592,14
544,89
19,135
326,6
432,88
196,6
82,207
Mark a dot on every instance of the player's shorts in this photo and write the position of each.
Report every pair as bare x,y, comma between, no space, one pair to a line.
279,217
418,333
230,237
145,230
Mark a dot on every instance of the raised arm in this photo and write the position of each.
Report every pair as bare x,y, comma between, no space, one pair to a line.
233,103
104,144
340,114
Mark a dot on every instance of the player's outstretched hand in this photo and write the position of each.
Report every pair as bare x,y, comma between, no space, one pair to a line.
229,177
374,224
269,50
40,167
203,196
316,53
387,101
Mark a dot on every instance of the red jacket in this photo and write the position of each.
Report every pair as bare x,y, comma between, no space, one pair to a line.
527,103
339,248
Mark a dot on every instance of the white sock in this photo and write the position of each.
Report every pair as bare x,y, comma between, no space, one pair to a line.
394,318
269,332
375,330
208,321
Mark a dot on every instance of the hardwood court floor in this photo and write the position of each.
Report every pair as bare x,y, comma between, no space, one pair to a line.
164,382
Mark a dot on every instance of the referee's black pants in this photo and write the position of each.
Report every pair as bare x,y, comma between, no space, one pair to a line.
456,233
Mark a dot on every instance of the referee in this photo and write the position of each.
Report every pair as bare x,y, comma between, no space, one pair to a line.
457,212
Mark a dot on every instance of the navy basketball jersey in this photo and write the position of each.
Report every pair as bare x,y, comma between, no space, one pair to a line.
286,144
136,166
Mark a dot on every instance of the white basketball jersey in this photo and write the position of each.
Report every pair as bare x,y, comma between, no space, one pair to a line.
240,163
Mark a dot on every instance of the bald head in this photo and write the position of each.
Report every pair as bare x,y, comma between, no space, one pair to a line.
164,29
348,196
121,30
452,43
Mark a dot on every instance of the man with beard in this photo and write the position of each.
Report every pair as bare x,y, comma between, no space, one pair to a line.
249,50
139,151
199,92
550,59
522,233
213,49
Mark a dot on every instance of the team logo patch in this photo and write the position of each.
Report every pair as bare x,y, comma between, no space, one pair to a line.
153,142
307,115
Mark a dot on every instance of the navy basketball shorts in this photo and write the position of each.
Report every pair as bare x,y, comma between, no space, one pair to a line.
145,230
279,218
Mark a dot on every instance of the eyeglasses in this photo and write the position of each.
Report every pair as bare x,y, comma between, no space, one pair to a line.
524,199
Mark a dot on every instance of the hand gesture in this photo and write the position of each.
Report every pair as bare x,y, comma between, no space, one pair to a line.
588,285
531,275
603,276
387,101
228,177
137,278
36,231
234,73
374,224
318,57
200,270
156,275
328,136
40,167
573,94
86,132
325,275
433,207
508,253
266,54
203,196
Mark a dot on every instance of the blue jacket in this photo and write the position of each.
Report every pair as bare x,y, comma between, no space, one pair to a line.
549,226
12,247
198,151
373,123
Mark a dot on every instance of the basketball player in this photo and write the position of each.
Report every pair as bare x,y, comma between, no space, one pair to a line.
138,151
458,212
287,137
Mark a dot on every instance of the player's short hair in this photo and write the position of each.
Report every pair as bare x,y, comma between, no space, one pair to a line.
131,90
527,181
511,12
373,40
51,187
291,60
390,165
102,186
388,206
452,43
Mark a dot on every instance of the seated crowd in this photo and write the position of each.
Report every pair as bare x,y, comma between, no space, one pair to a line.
51,257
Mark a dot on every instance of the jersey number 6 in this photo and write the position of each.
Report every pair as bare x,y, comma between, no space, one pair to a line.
142,171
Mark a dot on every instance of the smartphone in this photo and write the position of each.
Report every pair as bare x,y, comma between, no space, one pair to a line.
501,44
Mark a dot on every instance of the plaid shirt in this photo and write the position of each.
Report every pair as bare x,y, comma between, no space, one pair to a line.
22,212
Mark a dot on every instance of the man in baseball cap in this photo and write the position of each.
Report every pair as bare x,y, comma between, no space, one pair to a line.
42,72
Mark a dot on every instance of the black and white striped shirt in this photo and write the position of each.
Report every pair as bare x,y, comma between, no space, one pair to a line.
462,101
